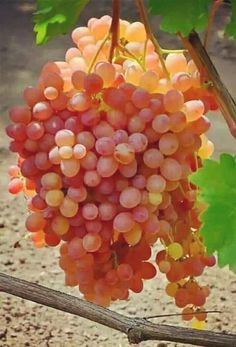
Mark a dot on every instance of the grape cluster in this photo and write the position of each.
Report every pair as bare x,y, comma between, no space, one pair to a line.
104,155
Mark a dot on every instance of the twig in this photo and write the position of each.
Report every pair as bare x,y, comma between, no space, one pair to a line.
201,58
114,30
214,7
136,329
180,314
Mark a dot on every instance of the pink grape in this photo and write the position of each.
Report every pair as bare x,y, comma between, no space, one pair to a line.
123,222
130,197
15,186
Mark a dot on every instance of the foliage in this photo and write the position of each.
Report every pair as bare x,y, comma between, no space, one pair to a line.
231,27
216,181
56,17
187,15
181,15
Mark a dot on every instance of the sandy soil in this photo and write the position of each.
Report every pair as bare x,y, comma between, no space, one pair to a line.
24,323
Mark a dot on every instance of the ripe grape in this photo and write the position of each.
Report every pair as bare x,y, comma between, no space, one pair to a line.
105,150
15,186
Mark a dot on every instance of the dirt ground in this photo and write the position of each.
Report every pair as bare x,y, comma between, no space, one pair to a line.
23,323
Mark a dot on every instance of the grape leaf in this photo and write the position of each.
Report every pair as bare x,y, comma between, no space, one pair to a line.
181,15
217,183
231,27
56,17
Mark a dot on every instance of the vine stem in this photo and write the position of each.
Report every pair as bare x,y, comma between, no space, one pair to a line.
136,329
216,4
114,30
203,62
150,36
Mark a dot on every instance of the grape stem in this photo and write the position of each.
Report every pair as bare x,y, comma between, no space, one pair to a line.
124,50
136,329
114,30
177,51
150,36
203,62
107,37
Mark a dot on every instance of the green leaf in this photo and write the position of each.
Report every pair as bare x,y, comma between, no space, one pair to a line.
56,17
181,15
231,27
217,183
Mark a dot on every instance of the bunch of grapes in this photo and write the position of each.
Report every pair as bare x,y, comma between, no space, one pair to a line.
105,150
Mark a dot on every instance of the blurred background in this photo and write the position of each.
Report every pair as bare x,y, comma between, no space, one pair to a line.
26,324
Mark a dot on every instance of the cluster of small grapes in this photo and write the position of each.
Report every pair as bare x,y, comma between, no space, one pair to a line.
105,152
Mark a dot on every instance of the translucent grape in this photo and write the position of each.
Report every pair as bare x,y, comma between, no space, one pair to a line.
51,180
35,222
141,98
133,236
92,242
54,198
193,109
42,110
86,138
92,178
135,32
182,81
68,207
65,152
130,197
65,137
175,250
161,123
105,146
106,166
123,222
156,184
138,142
70,167
178,121
168,143
15,186
124,153
77,79
90,211
176,62
171,169
149,81
153,158
80,102
106,71
20,114
124,272
173,101
77,194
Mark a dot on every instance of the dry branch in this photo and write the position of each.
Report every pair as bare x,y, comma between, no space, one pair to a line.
136,329
201,58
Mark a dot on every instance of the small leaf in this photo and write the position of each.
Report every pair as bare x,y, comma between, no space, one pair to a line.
217,183
231,27
56,17
181,15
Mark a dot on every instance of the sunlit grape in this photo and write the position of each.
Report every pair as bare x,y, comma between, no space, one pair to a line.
105,146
